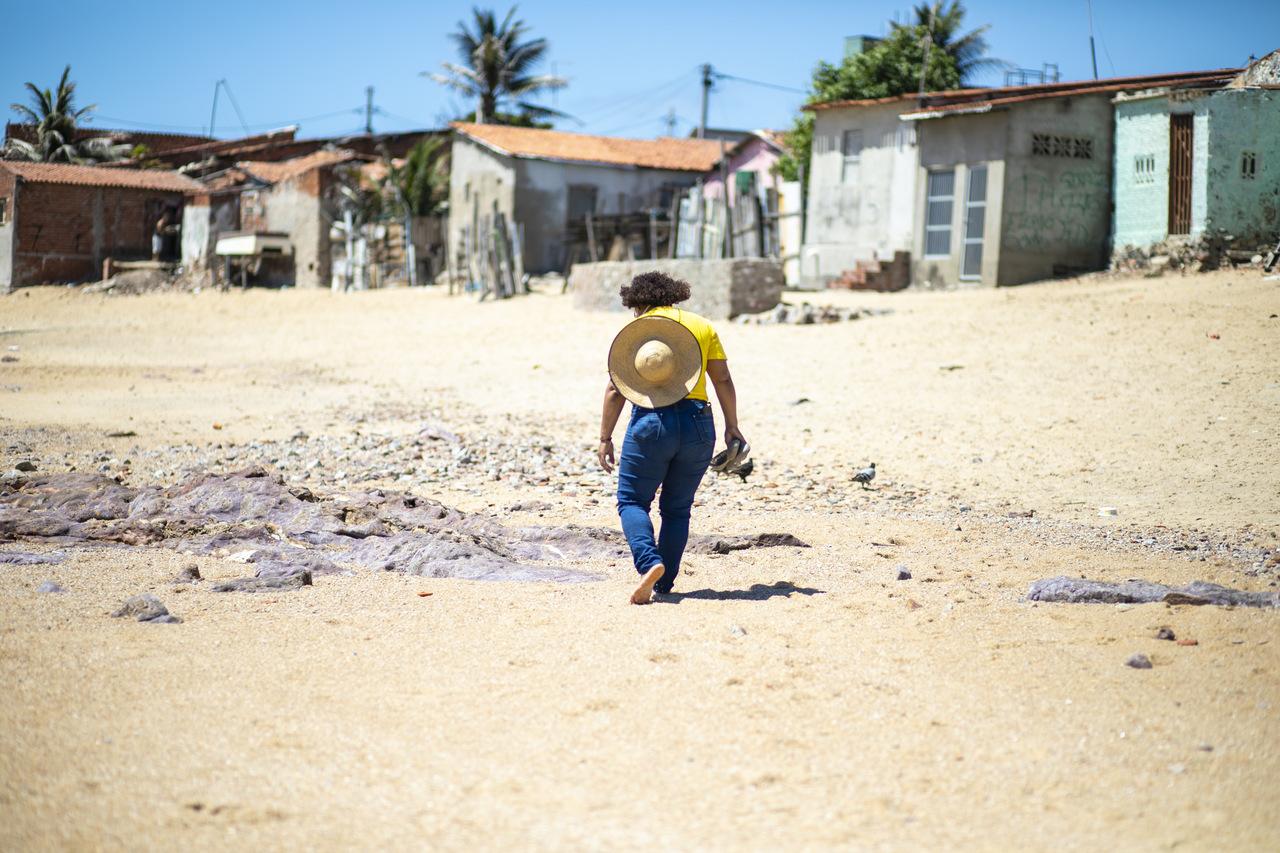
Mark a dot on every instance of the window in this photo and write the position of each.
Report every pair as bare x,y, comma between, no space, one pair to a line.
975,220
1055,145
1248,167
937,229
851,152
1144,169
4,209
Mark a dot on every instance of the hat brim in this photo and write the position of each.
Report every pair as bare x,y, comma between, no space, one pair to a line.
622,362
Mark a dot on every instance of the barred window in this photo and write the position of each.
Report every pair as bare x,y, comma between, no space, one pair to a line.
1144,169
1248,166
1056,145
4,209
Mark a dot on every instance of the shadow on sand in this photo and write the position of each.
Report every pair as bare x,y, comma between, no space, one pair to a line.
756,592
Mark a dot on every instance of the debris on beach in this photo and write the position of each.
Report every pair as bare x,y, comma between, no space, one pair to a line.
1081,591
50,587
253,516
807,314
296,580
189,574
1138,661
146,608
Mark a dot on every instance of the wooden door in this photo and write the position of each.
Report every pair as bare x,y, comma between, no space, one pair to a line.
1180,159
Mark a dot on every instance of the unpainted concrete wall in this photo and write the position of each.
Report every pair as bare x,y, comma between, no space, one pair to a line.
296,210
960,143
535,194
478,179
1056,210
720,289
869,213
542,200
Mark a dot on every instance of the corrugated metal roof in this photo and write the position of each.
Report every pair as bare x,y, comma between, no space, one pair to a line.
686,155
101,176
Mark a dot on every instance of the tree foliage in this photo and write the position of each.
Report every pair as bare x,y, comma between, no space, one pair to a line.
54,115
423,180
497,68
893,67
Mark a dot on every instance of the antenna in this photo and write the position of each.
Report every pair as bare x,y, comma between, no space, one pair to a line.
368,110
1093,51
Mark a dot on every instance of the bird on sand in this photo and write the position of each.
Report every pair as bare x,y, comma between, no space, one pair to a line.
744,470
866,475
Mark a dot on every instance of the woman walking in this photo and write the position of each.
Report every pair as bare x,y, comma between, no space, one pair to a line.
660,362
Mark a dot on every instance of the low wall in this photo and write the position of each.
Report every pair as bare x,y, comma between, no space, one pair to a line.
721,289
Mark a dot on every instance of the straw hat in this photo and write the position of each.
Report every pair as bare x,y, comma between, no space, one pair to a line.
655,361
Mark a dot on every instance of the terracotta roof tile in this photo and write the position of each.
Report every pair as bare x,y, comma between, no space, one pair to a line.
98,176
274,173
686,155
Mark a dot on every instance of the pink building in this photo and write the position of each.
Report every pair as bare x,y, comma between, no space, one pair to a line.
750,165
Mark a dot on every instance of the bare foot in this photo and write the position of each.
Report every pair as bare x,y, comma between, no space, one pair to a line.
644,591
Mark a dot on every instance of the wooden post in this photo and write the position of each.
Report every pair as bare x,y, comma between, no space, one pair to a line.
591,239
653,234
673,225
702,217
728,208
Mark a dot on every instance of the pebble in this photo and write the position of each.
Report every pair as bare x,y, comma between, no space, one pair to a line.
50,586
1165,633
903,573
737,631
1139,661
26,466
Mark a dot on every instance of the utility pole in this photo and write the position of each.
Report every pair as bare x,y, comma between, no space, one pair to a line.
706,91
670,121
368,110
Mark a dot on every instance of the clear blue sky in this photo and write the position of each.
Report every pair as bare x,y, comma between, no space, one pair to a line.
152,64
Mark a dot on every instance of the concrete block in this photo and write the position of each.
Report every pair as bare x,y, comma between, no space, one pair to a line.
721,289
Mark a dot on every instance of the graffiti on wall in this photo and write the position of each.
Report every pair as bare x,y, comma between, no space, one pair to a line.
1069,209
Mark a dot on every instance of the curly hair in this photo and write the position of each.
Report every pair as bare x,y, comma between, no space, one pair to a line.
652,290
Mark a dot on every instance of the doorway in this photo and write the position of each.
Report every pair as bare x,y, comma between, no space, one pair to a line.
1180,159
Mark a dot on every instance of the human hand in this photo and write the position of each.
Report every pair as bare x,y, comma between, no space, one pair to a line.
605,455
731,433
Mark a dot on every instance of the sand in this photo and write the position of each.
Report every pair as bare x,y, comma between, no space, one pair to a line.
791,698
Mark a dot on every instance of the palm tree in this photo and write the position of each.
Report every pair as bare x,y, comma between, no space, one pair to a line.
497,67
55,116
943,21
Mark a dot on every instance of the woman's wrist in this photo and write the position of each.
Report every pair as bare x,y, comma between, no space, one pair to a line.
607,438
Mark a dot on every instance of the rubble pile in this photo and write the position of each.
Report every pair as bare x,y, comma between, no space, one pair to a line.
1210,251
807,314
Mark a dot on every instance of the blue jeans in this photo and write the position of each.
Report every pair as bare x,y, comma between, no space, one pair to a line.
668,447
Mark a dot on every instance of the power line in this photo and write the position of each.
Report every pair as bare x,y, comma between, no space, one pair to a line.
721,76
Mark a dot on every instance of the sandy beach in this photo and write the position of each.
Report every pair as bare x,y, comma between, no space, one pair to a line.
786,697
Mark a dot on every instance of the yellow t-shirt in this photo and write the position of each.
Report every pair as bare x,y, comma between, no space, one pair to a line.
708,341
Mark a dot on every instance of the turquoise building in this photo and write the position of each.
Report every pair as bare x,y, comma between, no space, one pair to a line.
1192,161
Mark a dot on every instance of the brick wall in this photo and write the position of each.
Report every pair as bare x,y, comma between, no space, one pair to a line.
720,289
64,232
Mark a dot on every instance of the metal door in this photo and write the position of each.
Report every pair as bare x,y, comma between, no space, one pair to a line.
1180,159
